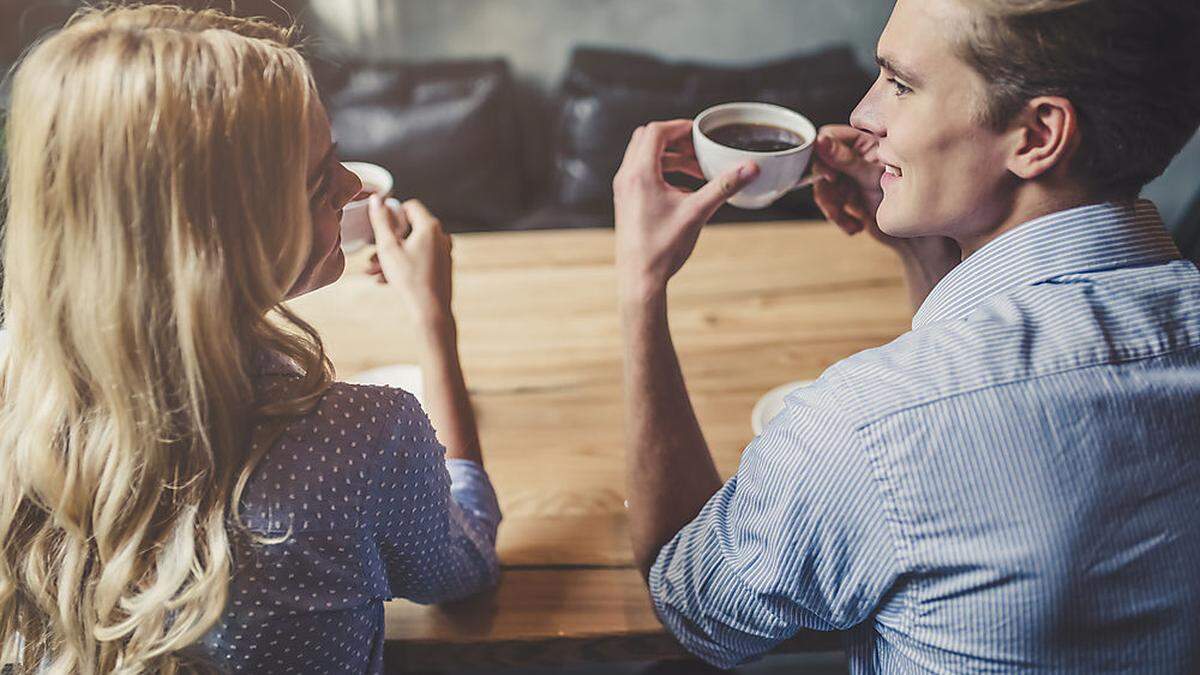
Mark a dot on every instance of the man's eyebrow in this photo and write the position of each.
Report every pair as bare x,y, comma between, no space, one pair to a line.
898,70
316,175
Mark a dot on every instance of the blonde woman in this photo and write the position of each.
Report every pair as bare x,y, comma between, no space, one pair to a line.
182,486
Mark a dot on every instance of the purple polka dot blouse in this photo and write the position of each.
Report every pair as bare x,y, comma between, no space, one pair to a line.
371,510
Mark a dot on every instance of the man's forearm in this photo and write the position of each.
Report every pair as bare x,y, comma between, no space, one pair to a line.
446,398
669,471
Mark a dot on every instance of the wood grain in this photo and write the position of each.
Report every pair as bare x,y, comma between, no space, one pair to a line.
543,617
758,305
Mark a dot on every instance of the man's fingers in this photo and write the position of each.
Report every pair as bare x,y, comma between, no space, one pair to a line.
832,201
849,225
848,151
673,163
657,136
844,133
856,211
825,171
835,153
716,192
845,148
631,147
828,199
670,133
682,146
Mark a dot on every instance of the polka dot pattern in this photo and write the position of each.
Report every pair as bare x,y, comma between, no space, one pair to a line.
368,509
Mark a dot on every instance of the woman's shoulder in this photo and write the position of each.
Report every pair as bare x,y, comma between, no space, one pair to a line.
363,414
340,455
359,401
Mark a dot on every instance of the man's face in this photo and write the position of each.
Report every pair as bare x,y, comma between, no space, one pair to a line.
946,171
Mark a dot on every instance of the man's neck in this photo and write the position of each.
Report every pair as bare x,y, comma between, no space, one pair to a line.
1028,202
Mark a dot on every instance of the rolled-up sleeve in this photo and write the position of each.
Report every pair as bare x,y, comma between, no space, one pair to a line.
437,538
796,540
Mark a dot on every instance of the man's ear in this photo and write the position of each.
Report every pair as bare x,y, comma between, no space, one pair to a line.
1046,134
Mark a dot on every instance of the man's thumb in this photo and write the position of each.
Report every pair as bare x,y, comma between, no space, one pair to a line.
716,192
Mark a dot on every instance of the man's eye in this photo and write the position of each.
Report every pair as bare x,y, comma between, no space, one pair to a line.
901,88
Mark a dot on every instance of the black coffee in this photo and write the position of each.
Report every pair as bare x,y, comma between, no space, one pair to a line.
756,137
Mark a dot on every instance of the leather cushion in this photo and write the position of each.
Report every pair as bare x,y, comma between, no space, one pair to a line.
446,130
606,94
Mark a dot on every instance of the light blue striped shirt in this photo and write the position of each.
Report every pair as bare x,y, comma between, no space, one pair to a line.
1014,485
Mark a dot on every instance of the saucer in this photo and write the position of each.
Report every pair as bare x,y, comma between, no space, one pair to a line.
771,404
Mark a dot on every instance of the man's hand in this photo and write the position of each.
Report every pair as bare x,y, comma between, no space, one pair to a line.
849,195
657,224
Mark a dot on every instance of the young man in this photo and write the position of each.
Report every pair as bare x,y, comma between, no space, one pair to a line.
1014,484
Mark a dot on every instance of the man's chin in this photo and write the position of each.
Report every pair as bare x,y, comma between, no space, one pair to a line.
898,223
890,224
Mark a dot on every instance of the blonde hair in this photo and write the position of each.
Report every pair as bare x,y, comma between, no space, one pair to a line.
1128,66
158,215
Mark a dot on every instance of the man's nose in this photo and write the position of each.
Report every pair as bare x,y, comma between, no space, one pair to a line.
866,116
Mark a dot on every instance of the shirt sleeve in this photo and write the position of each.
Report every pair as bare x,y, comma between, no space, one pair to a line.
795,540
436,527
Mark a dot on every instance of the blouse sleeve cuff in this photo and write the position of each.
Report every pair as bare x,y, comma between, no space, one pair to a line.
472,490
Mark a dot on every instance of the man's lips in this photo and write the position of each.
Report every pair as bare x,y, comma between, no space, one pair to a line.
891,174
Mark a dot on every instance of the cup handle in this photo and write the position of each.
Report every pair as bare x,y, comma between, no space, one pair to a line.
806,181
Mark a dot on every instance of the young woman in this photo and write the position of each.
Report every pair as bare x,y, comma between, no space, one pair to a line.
182,485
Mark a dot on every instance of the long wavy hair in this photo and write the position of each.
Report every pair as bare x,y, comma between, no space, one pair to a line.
158,216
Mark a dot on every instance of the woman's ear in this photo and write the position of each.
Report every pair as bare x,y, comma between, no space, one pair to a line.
1046,136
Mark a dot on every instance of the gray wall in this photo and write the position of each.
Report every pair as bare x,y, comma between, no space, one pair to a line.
537,36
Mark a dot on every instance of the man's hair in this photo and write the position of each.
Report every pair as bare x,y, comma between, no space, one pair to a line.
1131,68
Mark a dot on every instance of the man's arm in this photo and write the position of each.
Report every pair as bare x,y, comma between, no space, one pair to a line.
732,568
669,471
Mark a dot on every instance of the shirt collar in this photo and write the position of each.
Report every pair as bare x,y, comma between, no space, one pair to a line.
1084,239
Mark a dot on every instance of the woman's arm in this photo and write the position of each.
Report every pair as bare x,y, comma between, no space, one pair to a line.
419,266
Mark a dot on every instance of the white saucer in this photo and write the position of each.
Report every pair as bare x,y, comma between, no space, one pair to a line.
406,376
771,404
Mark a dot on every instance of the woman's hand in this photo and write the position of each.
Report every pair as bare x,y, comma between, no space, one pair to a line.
412,255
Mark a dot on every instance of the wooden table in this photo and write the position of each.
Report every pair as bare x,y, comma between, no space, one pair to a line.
758,305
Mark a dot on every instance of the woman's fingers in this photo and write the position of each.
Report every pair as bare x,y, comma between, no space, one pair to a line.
419,216
384,223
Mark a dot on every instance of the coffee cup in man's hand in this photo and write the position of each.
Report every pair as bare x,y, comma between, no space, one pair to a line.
778,140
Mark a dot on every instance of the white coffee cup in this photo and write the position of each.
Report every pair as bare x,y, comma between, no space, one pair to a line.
356,225
779,172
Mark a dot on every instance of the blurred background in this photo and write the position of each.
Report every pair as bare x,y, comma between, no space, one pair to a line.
513,114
